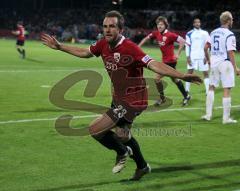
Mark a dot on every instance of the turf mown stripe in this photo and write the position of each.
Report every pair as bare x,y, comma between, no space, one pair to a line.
96,115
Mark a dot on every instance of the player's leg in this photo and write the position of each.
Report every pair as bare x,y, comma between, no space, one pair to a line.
226,101
160,88
23,52
23,49
214,79
228,82
209,103
204,67
100,130
188,84
206,80
186,96
19,49
123,131
190,67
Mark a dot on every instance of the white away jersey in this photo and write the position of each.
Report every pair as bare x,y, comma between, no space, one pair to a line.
222,40
195,42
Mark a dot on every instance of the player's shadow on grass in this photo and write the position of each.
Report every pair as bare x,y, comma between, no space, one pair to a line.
34,60
164,172
174,123
172,171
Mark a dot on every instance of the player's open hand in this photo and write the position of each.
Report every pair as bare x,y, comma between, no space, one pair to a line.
193,78
50,41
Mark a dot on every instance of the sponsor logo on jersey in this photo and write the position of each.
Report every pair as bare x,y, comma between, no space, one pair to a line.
164,38
116,56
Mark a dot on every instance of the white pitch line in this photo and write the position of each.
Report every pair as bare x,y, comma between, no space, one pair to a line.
45,86
96,115
45,119
51,70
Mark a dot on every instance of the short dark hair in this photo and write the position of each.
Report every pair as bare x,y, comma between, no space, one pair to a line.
119,17
196,18
162,19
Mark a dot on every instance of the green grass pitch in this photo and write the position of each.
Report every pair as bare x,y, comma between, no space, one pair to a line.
185,153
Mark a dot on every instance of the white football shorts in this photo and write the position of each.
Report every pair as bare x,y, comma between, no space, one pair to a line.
198,64
224,73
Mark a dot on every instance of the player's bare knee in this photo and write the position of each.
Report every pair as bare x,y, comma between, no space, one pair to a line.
95,134
190,71
211,88
226,92
205,74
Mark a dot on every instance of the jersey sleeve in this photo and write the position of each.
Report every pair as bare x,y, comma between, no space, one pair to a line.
231,42
96,48
175,37
188,40
140,57
188,44
152,35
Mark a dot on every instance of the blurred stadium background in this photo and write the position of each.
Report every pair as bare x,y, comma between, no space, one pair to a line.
82,20
186,153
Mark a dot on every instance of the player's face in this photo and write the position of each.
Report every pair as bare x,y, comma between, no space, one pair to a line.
197,23
161,26
111,30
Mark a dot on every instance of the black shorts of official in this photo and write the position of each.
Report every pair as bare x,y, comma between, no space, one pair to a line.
20,42
172,64
122,114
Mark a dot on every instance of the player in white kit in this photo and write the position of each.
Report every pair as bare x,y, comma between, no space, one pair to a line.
195,42
222,66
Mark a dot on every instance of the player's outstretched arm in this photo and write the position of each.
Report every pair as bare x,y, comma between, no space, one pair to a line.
166,70
143,41
15,32
52,42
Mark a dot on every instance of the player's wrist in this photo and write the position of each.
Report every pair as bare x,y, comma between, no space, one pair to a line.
182,76
59,46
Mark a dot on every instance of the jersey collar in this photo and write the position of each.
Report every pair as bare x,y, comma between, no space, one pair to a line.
120,42
165,31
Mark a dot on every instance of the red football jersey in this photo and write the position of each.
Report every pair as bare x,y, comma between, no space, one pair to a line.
166,44
21,33
124,64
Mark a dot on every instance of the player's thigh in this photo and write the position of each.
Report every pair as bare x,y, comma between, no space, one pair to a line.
100,125
214,77
227,74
